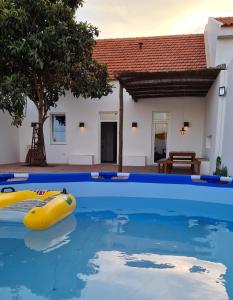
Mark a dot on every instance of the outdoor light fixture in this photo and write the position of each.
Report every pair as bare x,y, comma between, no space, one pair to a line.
185,128
182,131
222,91
81,125
134,125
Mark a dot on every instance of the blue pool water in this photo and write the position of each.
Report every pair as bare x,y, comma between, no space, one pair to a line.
140,241
120,254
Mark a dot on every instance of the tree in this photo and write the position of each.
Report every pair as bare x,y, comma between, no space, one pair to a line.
44,52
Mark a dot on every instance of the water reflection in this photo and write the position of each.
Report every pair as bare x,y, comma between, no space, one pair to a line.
45,241
129,277
116,256
53,238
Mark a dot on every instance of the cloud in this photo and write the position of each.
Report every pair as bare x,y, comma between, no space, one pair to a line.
122,18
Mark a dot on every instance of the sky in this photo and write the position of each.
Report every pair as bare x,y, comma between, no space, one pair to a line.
131,18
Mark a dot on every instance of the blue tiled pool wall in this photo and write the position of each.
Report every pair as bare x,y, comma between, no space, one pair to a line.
119,177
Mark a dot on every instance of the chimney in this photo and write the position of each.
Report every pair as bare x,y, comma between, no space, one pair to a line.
140,44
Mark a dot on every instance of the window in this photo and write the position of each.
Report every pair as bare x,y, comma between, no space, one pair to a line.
59,129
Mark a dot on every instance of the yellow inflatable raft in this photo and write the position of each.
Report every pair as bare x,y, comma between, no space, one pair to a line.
40,209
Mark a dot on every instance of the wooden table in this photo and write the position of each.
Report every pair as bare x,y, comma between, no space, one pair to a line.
179,158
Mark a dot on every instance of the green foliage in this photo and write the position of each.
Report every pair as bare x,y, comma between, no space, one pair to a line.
43,53
220,170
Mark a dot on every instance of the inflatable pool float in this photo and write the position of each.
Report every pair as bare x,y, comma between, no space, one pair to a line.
39,210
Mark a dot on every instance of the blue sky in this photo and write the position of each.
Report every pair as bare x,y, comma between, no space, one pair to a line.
130,18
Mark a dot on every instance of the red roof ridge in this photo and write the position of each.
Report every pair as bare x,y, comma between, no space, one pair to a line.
150,37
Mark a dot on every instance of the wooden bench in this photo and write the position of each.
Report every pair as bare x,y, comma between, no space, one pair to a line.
179,158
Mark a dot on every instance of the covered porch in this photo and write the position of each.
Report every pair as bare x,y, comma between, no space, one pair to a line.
191,83
174,97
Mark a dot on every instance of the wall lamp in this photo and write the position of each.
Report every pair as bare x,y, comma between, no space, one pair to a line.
134,125
185,128
222,91
186,125
81,125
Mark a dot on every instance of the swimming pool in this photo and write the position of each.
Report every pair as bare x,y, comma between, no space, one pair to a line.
131,237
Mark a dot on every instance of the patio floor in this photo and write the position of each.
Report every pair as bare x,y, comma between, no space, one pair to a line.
60,168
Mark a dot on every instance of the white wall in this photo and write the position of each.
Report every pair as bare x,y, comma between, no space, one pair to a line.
9,144
219,43
136,142
227,147
214,121
224,51
211,34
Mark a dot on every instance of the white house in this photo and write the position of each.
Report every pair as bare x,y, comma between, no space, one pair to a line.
167,80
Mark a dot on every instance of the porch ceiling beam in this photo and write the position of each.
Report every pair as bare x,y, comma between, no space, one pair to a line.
202,95
173,90
175,86
132,82
181,91
204,73
168,83
167,96
165,93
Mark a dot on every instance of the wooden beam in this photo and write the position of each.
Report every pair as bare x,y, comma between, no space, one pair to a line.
211,73
169,96
121,118
168,86
138,82
169,93
168,83
161,91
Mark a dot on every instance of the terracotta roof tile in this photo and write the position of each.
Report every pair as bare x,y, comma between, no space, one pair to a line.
226,21
162,53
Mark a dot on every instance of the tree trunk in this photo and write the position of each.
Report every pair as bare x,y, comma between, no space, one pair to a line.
41,146
121,115
37,155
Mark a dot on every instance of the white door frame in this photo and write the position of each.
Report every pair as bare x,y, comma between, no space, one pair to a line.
115,120
154,122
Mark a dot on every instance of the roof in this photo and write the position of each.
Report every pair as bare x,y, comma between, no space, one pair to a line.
152,54
226,21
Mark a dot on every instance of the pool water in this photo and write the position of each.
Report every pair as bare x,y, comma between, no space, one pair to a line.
113,254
